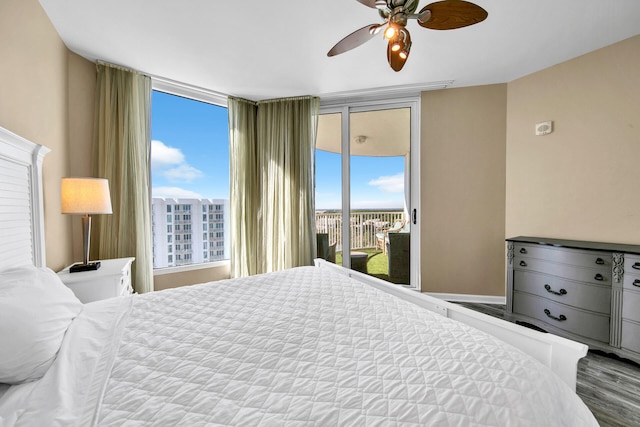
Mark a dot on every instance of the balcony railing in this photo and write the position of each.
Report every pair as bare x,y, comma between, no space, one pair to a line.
363,228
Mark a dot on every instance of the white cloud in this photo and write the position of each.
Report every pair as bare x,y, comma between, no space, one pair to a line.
182,173
162,155
170,163
175,193
389,184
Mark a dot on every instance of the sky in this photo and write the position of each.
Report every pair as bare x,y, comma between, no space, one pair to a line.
190,159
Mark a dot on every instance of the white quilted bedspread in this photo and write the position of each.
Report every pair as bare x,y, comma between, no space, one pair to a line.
307,347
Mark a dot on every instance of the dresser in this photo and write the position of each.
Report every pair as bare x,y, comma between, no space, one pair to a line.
112,279
585,291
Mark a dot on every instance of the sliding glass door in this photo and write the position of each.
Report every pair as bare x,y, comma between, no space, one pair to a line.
364,196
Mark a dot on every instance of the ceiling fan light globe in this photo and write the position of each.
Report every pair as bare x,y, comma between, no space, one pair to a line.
395,47
389,32
403,54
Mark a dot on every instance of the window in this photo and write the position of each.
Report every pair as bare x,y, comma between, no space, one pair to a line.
190,173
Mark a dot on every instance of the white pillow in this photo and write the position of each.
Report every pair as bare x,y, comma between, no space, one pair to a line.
36,309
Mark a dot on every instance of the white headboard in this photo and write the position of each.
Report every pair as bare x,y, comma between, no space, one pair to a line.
21,207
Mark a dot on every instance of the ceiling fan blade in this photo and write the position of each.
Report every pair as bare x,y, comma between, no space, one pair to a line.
452,14
355,39
370,3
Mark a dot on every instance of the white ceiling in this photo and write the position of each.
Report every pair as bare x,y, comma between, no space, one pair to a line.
262,49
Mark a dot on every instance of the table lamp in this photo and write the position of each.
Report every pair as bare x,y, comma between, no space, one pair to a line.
85,196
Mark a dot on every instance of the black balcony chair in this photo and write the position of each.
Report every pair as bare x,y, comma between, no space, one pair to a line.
399,253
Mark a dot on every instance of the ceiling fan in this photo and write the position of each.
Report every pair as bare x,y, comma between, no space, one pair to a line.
441,15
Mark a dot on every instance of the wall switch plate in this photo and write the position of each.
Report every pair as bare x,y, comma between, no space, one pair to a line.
544,128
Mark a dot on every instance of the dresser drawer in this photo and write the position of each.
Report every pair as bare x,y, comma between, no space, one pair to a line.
631,336
576,294
565,256
632,264
598,276
631,305
631,282
586,324
631,273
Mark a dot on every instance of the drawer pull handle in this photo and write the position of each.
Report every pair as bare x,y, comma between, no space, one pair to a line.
562,291
599,261
523,251
523,264
561,318
599,277
636,283
636,266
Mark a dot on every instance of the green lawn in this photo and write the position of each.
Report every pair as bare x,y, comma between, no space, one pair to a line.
377,264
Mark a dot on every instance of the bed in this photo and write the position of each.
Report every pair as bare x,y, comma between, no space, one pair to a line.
317,345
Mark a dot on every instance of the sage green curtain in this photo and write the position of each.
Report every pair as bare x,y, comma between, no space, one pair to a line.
272,184
245,191
121,153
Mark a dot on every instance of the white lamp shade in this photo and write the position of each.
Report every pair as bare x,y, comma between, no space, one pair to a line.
85,196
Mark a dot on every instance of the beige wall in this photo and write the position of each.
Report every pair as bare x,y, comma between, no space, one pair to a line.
33,104
82,84
582,181
463,190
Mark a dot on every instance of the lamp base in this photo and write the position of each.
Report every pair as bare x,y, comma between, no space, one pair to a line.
75,268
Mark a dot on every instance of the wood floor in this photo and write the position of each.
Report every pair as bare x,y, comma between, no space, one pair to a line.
608,385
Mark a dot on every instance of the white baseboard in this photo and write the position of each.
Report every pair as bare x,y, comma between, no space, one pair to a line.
479,299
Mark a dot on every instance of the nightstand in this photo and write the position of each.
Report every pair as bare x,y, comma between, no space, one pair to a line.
112,279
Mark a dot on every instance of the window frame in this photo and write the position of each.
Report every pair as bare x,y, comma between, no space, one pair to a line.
197,94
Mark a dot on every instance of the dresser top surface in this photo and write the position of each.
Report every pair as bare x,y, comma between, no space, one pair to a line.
578,244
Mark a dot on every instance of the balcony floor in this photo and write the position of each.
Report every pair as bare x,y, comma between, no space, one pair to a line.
377,263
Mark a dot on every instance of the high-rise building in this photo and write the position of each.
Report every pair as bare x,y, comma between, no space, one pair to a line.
189,231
